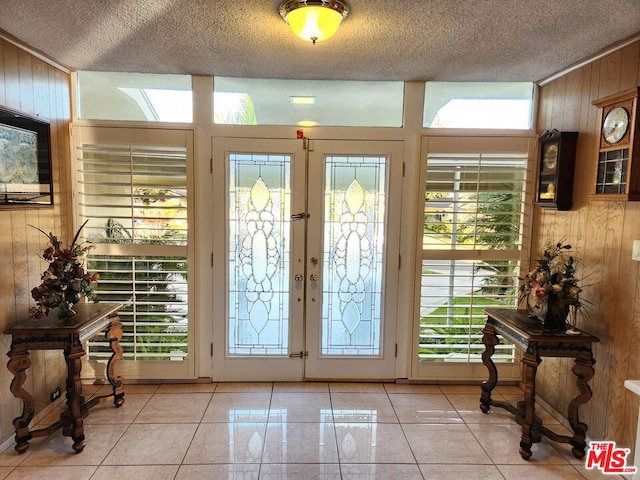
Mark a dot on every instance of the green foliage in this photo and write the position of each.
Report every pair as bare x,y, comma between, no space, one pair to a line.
468,319
497,227
146,284
496,215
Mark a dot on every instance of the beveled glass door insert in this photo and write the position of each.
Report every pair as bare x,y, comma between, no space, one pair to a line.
354,228
259,241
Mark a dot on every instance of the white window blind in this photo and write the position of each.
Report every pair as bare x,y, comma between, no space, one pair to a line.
135,198
472,244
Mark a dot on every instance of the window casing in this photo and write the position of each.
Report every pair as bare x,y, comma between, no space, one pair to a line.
135,198
472,239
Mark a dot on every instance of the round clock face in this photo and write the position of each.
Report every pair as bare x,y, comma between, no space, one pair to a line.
615,125
550,158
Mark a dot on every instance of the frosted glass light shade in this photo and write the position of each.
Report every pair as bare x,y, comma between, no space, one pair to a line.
314,24
314,20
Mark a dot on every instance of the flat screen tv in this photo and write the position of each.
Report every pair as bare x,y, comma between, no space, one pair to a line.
25,162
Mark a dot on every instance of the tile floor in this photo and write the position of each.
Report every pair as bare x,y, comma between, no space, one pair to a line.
325,431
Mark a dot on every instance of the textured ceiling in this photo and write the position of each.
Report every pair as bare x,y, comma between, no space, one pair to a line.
410,40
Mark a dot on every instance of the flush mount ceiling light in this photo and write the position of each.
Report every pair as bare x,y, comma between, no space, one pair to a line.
314,20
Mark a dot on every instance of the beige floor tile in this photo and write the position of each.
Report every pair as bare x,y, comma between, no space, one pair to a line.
410,388
380,472
470,389
4,471
11,458
509,390
231,387
218,472
539,472
300,472
372,443
59,473
445,444
174,408
545,416
57,449
238,407
291,443
458,472
502,443
286,430
597,474
89,389
223,443
108,413
136,472
356,387
468,407
150,444
187,388
424,408
565,448
52,417
130,388
300,407
306,387
362,407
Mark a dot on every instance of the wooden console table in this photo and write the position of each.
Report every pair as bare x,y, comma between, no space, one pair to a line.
51,333
527,334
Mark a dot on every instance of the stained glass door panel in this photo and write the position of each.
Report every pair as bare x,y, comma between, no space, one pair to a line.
259,240
354,229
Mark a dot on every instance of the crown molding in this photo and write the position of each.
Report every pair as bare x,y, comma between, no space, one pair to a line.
35,52
590,59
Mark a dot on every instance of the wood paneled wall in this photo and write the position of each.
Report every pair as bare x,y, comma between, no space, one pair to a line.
602,234
36,88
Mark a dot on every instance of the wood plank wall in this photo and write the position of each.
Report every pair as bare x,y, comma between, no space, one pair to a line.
36,88
601,234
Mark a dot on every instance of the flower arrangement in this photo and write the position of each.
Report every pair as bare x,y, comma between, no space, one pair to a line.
64,282
552,282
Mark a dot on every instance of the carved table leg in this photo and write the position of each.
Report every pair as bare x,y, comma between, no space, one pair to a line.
490,340
74,427
583,370
19,362
529,433
114,335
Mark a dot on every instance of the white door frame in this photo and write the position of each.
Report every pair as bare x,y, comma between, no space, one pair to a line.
226,368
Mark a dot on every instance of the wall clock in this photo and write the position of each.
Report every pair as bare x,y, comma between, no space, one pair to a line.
618,165
555,169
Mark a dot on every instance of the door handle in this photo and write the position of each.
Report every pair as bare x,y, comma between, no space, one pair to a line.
313,277
298,277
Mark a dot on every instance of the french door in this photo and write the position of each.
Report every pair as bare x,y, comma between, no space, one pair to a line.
305,282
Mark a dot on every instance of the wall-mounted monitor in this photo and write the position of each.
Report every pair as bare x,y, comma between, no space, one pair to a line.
25,162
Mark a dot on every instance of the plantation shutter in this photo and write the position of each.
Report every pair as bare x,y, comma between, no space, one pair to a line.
134,197
472,243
